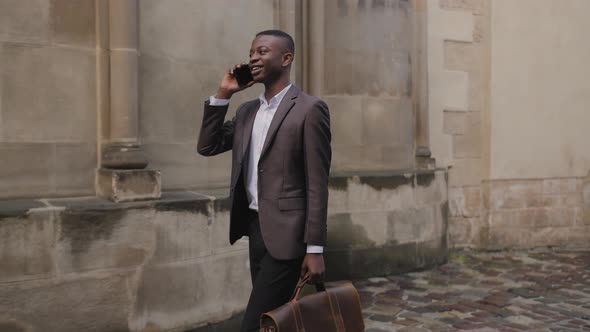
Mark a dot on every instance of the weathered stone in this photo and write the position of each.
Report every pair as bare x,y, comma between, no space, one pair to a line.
468,145
454,122
191,293
193,21
182,166
27,246
65,105
465,172
381,192
432,192
346,119
73,22
409,225
465,201
181,235
29,163
128,185
93,240
75,175
95,303
24,21
376,113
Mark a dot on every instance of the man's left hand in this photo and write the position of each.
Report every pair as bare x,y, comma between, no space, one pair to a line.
313,265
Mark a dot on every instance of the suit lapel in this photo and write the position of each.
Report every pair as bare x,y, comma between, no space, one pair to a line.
247,134
284,107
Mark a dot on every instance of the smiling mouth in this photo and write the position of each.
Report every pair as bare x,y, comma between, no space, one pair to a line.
255,69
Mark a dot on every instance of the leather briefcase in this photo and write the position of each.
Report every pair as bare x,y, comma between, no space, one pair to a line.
336,309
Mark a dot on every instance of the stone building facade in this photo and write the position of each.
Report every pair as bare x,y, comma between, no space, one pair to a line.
456,123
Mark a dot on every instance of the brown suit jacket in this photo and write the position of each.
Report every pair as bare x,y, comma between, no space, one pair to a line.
293,170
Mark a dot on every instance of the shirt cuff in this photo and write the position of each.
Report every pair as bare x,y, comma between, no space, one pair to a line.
218,102
315,249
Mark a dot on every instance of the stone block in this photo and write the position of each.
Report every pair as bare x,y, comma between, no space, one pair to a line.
336,80
455,96
344,233
338,194
346,119
64,85
219,170
509,237
181,235
75,166
410,225
549,237
462,56
398,156
457,25
579,236
347,158
220,235
193,293
73,22
128,185
27,246
367,26
24,21
454,123
89,303
561,186
26,169
464,232
516,218
476,6
104,239
468,145
177,29
381,192
465,202
181,166
431,189
465,172
379,116
555,217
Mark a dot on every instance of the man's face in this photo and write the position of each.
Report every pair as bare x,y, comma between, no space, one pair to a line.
267,58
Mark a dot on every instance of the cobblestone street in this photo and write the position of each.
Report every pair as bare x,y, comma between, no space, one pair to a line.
507,291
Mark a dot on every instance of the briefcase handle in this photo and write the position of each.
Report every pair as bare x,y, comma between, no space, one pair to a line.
319,287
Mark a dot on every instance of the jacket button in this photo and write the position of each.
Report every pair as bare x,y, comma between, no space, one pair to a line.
260,170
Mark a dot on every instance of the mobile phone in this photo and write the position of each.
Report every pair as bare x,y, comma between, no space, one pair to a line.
243,75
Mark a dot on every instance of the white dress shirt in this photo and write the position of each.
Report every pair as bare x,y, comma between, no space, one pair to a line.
262,121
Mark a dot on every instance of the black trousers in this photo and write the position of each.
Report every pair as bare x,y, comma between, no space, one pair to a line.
273,281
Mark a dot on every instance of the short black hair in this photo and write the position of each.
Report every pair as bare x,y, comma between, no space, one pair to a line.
281,34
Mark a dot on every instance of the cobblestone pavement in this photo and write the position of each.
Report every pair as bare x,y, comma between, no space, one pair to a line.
508,291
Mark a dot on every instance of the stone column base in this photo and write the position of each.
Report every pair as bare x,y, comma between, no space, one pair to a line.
423,159
128,185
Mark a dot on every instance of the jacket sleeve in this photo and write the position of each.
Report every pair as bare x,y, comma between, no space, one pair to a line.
216,136
317,158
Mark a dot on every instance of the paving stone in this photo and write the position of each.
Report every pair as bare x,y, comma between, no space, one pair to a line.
508,291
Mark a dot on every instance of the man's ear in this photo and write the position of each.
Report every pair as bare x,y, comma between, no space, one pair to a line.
287,59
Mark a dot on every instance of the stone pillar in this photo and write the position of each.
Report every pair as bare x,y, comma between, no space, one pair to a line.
122,175
314,46
420,86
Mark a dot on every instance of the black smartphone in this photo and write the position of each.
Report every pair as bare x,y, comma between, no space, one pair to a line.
243,75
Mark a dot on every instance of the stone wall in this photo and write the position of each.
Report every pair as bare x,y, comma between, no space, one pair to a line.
91,265
186,46
512,127
48,111
366,80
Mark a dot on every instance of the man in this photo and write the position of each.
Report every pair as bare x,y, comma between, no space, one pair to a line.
281,158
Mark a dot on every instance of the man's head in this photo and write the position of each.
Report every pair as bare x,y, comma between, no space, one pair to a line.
271,56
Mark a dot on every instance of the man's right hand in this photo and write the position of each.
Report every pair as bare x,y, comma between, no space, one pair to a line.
229,85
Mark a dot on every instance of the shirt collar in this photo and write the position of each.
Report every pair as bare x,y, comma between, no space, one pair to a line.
277,98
